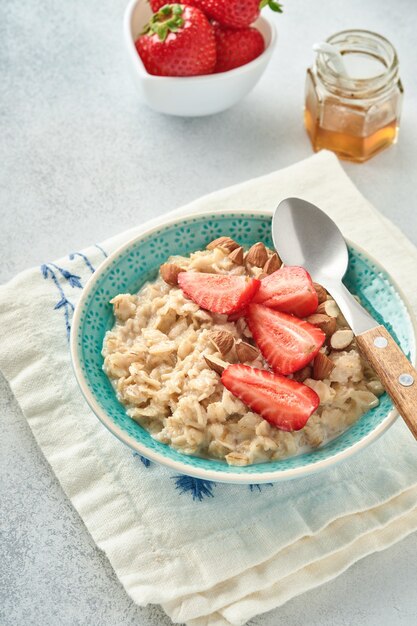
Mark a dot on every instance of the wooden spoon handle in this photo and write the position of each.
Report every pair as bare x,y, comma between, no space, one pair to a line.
394,370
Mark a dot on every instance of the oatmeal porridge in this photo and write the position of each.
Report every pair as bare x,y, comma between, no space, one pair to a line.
166,353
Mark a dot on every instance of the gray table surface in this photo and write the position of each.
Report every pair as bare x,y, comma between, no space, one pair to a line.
81,160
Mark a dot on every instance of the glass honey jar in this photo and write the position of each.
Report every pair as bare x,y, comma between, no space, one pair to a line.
354,113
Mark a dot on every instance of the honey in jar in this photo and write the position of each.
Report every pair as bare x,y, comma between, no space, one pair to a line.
355,114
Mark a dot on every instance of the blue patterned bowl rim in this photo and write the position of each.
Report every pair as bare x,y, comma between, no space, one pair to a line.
187,467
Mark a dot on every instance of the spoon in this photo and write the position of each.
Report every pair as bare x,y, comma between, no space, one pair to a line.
304,235
334,56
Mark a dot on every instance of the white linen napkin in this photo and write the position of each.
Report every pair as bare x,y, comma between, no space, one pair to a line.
210,554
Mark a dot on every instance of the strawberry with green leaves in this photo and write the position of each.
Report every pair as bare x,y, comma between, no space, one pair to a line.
236,46
235,13
178,41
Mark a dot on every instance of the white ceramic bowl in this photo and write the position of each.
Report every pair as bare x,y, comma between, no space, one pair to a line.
192,96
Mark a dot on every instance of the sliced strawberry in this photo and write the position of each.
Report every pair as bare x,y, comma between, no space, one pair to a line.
283,402
289,289
286,342
219,293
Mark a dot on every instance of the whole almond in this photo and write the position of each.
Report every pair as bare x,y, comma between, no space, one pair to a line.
169,273
237,256
321,292
223,242
215,364
341,339
329,307
257,255
322,366
303,374
245,352
325,322
223,340
273,264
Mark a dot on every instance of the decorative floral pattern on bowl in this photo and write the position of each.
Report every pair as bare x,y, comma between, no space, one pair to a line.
137,262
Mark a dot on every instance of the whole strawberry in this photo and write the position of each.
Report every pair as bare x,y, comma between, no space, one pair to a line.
178,41
235,47
235,13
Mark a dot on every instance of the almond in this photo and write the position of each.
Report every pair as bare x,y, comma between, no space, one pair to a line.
325,322
215,364
223,242
303,374
329,307
169,273
257,255
273,264
245,352
223,340
237,256
322,366
341,339
321,292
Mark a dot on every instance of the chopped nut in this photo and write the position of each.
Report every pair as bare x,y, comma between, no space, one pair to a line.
303,374
325,322
246,352
237,256
257,255
322,366
222,339
329,307
321,292
375,387
215,364
223,242
273,264
341,339
169,273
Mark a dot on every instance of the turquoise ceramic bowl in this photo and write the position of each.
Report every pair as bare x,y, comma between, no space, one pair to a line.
127,269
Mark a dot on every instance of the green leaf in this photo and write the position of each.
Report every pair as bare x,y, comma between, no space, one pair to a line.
161,30
168,19
263,4
275,6
174,24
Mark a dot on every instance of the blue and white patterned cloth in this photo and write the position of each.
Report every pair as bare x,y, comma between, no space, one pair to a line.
211,554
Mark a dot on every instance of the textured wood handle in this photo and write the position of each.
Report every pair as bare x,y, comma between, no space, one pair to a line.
394,370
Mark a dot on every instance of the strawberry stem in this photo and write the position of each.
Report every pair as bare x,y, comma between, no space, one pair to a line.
167,20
